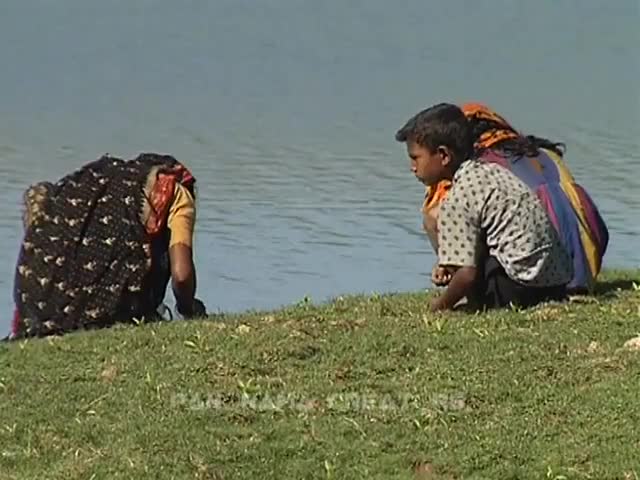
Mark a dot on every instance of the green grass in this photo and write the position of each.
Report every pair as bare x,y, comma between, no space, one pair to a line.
363,387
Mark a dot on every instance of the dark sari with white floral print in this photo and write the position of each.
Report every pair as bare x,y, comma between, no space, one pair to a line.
86,260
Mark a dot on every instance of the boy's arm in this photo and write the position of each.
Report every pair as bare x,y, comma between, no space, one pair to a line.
459,238
461,284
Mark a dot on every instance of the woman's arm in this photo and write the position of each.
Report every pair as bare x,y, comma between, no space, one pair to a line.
183,278
183,272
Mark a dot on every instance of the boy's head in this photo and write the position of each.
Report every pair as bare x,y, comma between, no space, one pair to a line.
438,140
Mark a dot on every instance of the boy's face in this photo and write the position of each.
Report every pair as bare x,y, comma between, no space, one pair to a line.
428,167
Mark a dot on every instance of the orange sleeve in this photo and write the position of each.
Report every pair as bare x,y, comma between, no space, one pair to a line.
435,194
182,217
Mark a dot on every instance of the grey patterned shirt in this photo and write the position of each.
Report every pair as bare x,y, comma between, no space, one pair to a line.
490,211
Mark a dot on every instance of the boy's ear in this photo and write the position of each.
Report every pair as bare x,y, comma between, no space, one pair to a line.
445,154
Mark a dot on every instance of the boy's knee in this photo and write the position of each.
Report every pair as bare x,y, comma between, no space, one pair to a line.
430,225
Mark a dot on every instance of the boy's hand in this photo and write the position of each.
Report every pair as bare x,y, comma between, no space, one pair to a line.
440,276
461,285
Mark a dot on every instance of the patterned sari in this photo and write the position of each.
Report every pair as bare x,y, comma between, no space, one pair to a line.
87,259
573,213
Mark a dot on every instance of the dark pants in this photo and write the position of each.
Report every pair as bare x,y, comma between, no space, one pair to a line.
494,289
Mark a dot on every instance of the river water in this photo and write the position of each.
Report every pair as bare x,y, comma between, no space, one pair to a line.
286,111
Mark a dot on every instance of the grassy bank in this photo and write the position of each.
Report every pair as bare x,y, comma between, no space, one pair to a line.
364,387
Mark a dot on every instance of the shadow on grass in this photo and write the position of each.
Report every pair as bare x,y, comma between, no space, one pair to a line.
609,288
604,289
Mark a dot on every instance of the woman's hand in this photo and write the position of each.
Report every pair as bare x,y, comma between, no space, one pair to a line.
196,309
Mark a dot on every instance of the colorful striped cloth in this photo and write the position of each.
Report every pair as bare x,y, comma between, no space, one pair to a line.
571,209
569,206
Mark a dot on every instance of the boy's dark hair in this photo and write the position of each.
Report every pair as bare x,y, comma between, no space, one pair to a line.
442,124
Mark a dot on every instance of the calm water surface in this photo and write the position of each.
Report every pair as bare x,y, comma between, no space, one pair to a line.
286,112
